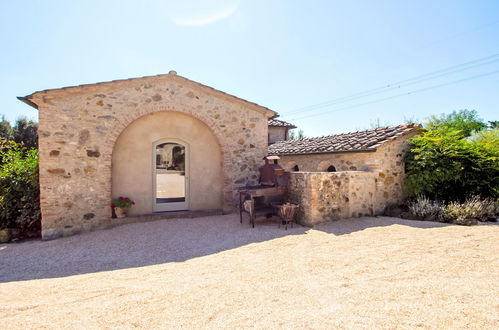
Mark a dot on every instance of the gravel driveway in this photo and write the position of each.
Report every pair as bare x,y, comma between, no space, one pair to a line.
213,272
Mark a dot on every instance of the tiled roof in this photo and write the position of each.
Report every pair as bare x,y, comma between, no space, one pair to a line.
280,123
367,140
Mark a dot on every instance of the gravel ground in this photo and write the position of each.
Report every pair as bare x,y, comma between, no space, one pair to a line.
215,273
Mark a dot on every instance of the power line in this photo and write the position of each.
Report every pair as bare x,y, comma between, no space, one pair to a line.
382,89
400,95
397,86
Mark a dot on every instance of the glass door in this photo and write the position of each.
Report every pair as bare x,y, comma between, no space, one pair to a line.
170,176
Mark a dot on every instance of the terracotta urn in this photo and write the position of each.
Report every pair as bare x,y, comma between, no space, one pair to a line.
4,235
120,212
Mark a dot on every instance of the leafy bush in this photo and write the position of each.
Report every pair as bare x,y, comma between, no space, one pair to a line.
446,164
19,189
488,140
425,208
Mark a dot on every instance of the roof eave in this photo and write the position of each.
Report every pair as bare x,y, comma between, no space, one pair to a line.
26,100
289,127
77,88
324,152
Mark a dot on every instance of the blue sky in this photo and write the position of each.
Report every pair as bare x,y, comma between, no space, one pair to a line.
285,55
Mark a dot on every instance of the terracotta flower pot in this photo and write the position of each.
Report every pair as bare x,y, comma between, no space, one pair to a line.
120,212
4,235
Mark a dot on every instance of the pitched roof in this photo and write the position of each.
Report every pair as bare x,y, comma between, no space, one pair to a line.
30,99
361,141
280,123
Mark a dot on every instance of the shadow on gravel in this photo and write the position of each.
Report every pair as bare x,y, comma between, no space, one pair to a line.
132,245
349,226
158,242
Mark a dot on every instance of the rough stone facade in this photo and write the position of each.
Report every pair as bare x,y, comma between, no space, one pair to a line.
78,128
379,173
326,196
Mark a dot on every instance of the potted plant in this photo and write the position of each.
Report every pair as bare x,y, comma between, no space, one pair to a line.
121,205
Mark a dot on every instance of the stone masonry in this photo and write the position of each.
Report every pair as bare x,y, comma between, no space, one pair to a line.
364,184
326,196
78,127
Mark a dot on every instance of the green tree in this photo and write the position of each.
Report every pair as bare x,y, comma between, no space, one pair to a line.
296,135
493,124
26,132
5,129
465,121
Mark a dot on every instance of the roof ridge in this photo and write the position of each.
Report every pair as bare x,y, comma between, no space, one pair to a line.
358,141
408,125
173,74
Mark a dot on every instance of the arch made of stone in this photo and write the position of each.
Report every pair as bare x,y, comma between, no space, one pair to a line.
325,165
126,120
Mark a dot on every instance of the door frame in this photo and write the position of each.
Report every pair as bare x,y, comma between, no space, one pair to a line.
176,206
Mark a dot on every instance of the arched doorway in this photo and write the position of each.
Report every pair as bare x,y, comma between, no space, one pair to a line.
176,150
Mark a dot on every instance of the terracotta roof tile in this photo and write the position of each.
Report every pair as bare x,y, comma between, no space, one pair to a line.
280,123
367,140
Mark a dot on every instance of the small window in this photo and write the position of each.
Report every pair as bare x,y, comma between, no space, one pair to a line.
296,168
331,169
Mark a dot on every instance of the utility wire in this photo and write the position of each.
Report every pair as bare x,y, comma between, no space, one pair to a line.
400,95
424,77
396,87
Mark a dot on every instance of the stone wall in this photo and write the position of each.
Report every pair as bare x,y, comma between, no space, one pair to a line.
78,128
327,196
277,134
386,164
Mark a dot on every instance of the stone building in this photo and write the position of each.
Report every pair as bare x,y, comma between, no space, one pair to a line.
279,130
170,143
346,175
165,141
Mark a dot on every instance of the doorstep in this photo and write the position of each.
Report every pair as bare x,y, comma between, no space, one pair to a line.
167,215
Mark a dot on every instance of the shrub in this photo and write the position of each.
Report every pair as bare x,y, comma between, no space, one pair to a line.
487,140
443,164
19,189
472,210
423,207
469,212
